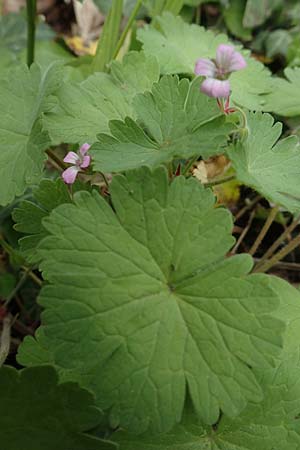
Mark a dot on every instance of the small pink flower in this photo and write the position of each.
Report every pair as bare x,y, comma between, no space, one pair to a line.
80,160
217,71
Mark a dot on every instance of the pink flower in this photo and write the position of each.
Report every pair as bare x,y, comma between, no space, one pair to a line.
217,71
80,160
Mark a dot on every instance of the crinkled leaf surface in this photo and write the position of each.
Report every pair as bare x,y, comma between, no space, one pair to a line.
177,45
85,108
175,120
285,98
272,424
270,167
24,96
29,214
38,413
141,303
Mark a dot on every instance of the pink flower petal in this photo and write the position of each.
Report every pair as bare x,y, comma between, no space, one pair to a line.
224,56
229,60
216,88
205,67
237,62
84,149
85,162
69,175
71,158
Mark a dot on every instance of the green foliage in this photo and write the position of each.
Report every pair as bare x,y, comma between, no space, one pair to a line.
233,16
138,316
7,283
270,167
85,108
37,412
13,32
257,11
157,7
285,98
13,38
269,425
174,121
109,37
144,305
293,53
29,215
277,43
24,96
178,45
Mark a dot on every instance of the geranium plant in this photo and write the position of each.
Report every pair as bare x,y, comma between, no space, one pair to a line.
152,328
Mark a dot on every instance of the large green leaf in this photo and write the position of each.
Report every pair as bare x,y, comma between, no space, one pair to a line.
270,167
177,45
141,304
270,425
86,108
38,413
285,98
24,96
175,120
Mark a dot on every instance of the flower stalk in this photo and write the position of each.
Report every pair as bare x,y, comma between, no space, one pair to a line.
31,26
127,27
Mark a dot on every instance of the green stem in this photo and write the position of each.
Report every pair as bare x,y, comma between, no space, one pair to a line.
105,180
270,219
33,276
219,181
31,16
189,164
243,122
128,26
16,289
198,15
